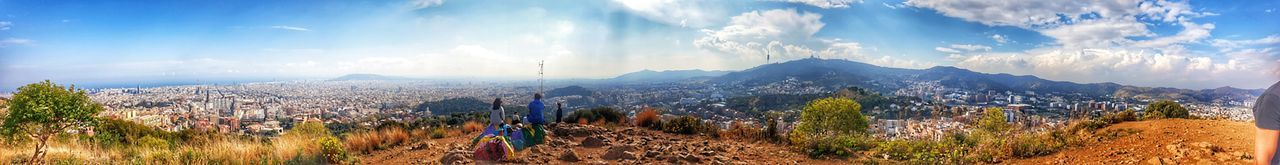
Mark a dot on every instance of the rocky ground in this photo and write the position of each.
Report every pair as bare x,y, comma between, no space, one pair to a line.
588,144
1168,141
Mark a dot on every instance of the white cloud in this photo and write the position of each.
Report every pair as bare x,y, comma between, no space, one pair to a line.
971,47
1098,33
420,4
894,6
1228,45
825,4
674,12
4,25
1191,32
290,28
946,50
747,34
15,41
1120,65
999,38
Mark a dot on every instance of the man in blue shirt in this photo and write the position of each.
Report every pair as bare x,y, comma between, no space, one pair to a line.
535,110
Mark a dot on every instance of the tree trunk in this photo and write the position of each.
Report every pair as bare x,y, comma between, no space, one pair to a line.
38,156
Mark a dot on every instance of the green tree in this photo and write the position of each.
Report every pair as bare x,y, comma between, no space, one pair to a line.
1166,109
993,121
44,109
829,117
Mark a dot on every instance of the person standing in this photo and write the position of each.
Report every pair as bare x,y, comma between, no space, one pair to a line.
495,114
559,112
1266,115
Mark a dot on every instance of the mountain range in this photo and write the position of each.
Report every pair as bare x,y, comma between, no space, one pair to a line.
837,74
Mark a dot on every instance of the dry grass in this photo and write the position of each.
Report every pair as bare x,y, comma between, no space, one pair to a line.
472,126
369,141
743,131
648,117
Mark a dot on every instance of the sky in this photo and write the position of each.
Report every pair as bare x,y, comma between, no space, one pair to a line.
1182,44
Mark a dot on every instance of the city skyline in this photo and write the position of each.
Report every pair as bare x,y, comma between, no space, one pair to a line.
1183,44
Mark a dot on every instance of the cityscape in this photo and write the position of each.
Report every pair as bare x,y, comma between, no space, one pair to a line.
640,82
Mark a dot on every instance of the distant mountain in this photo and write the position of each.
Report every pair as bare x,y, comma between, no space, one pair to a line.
668,75
367,77
837,74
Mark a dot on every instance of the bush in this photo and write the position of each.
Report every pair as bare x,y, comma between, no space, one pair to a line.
827,118
153,143
1166,109
840,146
595,114
393,136
993,121
1122,116
687,125
437,133
331,149
648,118
744,131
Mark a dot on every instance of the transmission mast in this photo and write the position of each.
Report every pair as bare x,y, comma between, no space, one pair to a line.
540,76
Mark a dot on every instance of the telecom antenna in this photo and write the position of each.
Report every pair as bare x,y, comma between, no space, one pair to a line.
540,76
768,54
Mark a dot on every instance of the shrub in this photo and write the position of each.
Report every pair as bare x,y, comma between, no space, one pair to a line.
993,121
1122,116
840,146
437,133
472,126
687,125
648,118
744,131
602,113
829,117
153,143
1166,109
331,149
393,136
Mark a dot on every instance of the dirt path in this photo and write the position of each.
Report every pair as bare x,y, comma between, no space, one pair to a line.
1168,141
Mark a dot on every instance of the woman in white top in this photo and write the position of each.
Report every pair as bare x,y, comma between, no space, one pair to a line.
495,113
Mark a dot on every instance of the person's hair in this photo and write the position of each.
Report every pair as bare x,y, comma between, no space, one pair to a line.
559,105
537,96
497,103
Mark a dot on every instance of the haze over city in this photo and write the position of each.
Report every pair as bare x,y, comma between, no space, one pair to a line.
1183,44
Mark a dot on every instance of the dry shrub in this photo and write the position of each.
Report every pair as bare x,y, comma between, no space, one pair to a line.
393,136
419,133
648,118
363,142
472,126
583,121
743,131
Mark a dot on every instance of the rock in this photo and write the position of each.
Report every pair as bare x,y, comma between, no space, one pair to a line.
569,156
690,158
593,142
620,152
456,157
651,154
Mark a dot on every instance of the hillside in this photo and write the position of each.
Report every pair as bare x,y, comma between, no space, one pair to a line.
837,73
1168,141
667,75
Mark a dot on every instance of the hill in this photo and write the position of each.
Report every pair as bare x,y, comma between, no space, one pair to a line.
570,91
664,76
350,77
453,105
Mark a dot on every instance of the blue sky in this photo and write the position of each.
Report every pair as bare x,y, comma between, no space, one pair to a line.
1185,44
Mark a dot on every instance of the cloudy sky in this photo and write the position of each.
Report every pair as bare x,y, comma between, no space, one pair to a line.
1185,44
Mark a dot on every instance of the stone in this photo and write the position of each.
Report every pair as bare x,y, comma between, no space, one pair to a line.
570,156
651,154
456,157
593,142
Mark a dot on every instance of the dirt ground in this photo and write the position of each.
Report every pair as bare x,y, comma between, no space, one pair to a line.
1167,141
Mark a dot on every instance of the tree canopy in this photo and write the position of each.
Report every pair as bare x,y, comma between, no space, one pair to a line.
830,117
1166,109
43,109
